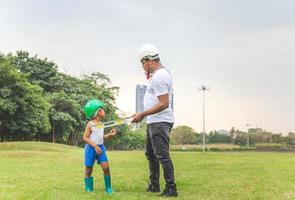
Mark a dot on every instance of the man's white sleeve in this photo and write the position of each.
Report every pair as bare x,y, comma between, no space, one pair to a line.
160,86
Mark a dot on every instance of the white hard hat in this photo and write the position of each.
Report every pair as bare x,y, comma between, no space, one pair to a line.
148,51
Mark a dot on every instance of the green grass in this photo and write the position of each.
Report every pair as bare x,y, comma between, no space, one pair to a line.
31,170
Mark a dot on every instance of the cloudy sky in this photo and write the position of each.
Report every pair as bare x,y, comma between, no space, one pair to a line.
243,50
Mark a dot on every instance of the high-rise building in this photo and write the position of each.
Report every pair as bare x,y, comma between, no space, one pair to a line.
172,101
140,92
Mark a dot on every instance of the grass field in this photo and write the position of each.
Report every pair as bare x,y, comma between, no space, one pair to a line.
31,170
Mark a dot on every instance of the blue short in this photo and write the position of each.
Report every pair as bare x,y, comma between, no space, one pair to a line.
90,155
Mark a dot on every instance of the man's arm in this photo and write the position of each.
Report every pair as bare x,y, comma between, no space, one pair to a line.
158,107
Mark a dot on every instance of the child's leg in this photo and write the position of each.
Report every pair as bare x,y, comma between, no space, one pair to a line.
88,179
107,177
88,162
105,168
89,159
88,172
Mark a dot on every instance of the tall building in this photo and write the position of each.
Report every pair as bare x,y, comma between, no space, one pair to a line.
140,91
172,101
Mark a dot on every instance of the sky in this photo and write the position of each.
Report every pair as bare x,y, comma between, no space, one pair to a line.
243,50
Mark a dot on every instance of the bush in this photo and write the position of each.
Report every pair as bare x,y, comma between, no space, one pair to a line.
269,145
274,147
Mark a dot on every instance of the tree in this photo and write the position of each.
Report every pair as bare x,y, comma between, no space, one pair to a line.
261,137
216,137
291,138
39,102
39,71
183,135
278,138
128,139
240,137
66,115
23,109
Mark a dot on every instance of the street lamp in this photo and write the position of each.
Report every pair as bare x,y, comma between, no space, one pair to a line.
203,88
248,135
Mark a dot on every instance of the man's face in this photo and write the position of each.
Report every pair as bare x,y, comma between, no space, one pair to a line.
146,65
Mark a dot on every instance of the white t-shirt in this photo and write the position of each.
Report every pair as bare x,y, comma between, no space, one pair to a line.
97,132
159,84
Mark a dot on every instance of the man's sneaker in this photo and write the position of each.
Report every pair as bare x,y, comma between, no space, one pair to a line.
169,192
152,188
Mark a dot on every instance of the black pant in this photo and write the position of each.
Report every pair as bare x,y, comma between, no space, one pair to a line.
157,150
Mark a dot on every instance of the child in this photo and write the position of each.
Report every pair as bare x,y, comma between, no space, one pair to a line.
94,148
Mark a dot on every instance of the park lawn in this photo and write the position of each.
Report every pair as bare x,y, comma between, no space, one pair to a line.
36,170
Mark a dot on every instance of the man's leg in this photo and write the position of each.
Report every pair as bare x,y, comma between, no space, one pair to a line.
160,142
154,167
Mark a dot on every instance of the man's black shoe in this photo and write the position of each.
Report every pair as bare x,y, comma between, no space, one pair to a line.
152,188
169,192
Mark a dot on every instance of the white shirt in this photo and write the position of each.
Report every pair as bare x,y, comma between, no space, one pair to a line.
97,132
159,84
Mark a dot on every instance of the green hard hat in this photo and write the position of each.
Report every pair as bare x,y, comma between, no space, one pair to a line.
91,107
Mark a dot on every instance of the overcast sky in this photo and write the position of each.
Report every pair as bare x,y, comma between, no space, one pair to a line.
244,50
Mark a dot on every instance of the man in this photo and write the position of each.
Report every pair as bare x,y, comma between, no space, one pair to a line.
159,115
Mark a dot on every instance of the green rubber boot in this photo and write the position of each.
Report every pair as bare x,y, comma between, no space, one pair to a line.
88,184
108,185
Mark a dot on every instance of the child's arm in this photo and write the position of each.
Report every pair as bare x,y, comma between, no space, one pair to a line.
110,134
88,141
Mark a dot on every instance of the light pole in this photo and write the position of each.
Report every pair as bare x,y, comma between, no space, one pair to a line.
248,135
204,88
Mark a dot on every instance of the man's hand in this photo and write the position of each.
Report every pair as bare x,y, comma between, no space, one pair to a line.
138,117
113,132
98,150
158,107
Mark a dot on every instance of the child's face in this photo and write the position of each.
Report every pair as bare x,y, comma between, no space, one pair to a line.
101,113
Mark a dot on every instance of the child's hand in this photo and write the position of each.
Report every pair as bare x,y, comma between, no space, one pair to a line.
113,132
98,150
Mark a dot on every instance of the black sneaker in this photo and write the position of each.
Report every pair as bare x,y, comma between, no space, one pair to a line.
169,192
152,188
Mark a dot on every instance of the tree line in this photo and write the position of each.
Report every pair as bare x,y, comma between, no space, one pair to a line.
186,135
